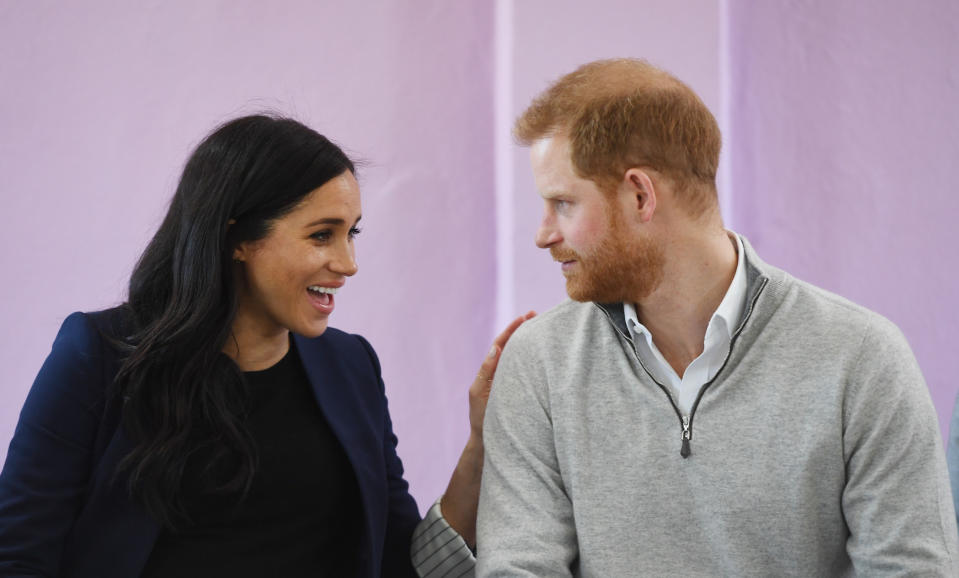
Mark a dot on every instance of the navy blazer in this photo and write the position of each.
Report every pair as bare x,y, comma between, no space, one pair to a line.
62,513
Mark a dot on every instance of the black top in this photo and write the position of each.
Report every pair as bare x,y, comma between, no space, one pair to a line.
302,515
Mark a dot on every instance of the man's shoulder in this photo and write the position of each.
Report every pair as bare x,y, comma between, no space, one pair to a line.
827,320
553,340
568,318
821,306
808,305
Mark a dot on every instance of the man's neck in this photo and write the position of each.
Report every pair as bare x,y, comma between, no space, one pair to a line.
697,274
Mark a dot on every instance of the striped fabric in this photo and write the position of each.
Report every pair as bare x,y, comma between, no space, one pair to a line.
438,551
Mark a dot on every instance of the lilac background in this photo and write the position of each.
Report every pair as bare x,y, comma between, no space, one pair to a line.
839,117
844,148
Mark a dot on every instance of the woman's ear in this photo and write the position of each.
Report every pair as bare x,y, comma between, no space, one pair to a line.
239,252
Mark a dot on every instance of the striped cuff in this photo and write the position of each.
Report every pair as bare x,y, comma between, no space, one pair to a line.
438,551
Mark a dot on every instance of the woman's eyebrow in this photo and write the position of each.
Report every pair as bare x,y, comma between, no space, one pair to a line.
327,221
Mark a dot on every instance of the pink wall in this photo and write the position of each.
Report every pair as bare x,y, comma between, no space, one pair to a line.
845,139
682,37
102,103
830,113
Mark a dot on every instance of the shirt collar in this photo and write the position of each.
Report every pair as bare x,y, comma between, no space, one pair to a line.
730,309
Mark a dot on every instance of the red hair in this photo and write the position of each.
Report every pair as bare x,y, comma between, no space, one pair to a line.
625,113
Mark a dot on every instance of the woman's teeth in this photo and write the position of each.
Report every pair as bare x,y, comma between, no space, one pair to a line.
318,289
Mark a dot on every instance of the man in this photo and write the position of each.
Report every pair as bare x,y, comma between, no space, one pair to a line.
693,411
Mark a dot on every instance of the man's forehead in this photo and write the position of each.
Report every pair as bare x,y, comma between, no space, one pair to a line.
553,168
540,147
551,148
550,161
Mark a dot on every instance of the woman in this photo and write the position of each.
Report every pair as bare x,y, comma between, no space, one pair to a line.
214,424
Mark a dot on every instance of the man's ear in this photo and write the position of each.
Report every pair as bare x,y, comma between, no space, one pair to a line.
642,193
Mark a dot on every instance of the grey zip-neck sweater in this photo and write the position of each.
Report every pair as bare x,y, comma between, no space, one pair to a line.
815,451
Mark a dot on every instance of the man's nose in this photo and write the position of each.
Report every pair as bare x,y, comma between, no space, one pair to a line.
547,235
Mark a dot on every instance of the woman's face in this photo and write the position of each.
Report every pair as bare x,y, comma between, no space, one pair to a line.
287,279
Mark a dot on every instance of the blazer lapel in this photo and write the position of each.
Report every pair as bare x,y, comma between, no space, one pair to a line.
341,377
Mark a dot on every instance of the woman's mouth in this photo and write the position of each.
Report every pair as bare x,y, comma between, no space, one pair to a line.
322,297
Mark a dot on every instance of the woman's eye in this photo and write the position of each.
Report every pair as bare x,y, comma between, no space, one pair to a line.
322,236
354,231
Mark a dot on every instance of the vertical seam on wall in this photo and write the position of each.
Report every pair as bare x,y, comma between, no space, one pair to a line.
503,144
726,183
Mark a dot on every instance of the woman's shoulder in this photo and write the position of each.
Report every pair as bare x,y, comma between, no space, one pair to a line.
349,349
339,339
84,336
115,322
81,363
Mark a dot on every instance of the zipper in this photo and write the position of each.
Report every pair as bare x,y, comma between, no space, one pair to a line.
732,343
686,421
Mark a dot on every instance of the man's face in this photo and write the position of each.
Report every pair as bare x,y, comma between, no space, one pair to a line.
603,257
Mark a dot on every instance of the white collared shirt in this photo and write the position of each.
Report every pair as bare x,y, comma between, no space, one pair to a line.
719,334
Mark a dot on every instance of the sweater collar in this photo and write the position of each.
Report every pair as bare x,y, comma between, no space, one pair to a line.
756,278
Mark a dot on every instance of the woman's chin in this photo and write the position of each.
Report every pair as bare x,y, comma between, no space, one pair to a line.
311,330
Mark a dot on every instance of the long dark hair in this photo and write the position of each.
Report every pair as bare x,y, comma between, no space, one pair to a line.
182,397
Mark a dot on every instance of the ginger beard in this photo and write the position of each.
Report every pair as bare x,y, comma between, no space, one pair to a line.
621,267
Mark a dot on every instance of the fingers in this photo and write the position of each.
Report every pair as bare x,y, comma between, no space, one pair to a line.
484,378
503,337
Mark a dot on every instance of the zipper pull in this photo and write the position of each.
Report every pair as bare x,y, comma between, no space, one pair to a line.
685,450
